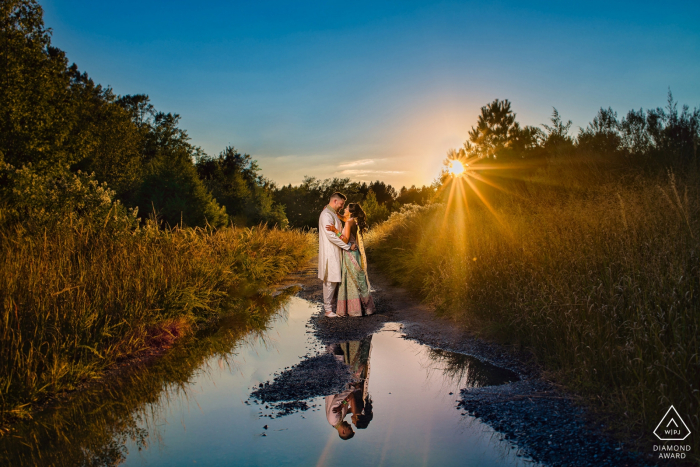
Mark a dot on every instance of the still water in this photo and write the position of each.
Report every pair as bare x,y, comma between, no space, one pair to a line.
194,408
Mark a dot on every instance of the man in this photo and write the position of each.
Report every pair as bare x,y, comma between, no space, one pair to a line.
329,252
337,407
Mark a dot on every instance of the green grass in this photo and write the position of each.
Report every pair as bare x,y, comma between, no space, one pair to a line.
76,300
598,277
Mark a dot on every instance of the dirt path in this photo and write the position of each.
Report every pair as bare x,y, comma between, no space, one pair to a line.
545,422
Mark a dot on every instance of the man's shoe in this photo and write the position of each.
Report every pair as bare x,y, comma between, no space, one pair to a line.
330,314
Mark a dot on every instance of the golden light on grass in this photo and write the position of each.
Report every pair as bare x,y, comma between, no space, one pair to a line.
461,185
535,263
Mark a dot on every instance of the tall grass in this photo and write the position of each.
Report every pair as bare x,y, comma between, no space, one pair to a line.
77,299
599,278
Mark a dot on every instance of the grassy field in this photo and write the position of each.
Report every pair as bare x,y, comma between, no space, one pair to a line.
76,300
597,274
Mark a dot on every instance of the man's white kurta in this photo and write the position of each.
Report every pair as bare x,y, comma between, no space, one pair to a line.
329,246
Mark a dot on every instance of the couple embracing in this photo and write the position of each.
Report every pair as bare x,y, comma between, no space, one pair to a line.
342,264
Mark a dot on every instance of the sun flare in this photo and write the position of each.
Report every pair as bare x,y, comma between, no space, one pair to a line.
456,168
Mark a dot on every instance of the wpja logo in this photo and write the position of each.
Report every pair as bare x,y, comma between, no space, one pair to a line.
672,428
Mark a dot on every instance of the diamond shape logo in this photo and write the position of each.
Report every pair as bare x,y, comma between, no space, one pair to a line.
672,427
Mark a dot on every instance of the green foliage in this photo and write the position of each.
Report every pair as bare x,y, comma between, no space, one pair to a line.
654,138
413,195
497,134
170,185
601,135
40,200
674,136
384,193
304,203
557,142
37,114
375,211
234,179
172,190
110,144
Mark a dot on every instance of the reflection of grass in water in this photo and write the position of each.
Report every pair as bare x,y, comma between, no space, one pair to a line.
94,426
466,370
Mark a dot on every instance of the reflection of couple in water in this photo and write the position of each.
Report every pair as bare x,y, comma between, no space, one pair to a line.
355,398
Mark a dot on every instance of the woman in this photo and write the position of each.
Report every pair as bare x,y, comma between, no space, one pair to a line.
353,292
355,399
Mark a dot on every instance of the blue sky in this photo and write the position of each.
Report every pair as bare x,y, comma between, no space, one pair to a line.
377,90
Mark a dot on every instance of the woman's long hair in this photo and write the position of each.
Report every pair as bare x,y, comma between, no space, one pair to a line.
359,215
357,212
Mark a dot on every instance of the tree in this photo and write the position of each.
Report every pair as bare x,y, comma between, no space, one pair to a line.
36,109
674,135
557,140
634,134
304,203
108,143
385,194
374,210
234,179
173,189
498,136
413,195
171,185
601,136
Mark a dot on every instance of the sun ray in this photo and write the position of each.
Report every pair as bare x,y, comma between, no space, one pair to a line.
463,192
488,205
485,180
449,202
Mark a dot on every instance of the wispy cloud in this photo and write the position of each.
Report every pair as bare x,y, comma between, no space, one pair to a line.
356,163
360,171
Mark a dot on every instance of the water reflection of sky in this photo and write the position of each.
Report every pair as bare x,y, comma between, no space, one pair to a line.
203,418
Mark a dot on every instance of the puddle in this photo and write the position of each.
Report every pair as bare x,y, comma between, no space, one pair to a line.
204,405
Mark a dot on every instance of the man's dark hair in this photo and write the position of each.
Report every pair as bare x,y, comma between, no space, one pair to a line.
338,195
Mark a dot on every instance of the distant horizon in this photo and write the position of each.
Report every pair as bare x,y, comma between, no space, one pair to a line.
377,91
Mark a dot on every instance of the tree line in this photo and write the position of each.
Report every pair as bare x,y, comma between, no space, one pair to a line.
666,137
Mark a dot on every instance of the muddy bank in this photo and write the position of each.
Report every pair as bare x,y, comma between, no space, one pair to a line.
289,390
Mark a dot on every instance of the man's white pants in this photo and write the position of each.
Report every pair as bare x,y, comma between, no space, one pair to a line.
330,295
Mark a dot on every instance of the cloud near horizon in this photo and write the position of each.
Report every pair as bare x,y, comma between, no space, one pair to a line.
360,162
363,172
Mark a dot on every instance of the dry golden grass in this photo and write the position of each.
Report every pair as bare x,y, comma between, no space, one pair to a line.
78,299
600,280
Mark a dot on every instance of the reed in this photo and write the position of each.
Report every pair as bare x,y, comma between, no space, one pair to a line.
598,279
78,299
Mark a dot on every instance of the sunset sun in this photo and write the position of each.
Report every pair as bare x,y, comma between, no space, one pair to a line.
456,168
